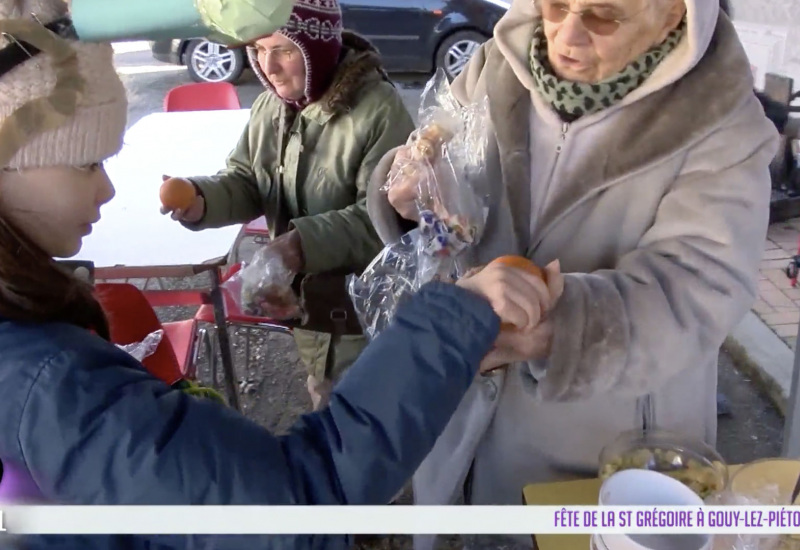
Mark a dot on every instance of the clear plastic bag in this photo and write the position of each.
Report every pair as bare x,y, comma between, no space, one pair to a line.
263,288
767,495
386,282
145,348
446,156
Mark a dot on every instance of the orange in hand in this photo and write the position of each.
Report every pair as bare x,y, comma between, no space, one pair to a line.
177,194
519,262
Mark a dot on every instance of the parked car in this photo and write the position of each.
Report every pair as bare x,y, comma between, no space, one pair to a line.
415,36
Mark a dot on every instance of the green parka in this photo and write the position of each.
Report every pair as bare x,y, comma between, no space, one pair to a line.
318,185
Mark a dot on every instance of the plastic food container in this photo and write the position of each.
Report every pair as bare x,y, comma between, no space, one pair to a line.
648,488
693,463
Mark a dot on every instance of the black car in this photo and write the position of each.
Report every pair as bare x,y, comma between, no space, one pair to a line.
414,36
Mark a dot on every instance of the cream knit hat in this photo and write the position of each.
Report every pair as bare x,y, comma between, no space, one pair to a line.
79,122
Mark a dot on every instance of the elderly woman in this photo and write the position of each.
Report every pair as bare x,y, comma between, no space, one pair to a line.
628,144
329,113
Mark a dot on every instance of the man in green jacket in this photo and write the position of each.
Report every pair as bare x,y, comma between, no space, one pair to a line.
304,160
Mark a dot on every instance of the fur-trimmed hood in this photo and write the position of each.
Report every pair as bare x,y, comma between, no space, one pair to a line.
360,64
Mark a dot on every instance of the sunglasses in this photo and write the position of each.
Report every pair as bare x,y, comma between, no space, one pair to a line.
599,20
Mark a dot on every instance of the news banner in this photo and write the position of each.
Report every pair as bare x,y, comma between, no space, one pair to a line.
332,520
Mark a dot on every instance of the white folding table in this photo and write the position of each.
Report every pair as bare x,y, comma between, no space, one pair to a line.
134,240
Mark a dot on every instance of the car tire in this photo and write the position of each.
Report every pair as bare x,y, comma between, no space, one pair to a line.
226,65
456,50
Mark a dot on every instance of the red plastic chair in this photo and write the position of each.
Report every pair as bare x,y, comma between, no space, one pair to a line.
131,318
202,96
258,230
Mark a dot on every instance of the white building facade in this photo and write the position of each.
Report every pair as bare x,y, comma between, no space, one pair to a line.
770,33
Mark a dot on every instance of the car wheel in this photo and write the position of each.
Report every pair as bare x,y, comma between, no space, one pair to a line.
456,50
212,62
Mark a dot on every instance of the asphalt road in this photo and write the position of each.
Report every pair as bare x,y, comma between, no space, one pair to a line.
272,382
148,81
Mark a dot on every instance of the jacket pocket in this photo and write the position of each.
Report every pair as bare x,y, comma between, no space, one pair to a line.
327,356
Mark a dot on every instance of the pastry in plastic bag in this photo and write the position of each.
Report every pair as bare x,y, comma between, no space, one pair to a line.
446,159
263,288
427,142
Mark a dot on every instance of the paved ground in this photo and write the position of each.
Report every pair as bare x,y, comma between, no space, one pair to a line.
272,382
779,303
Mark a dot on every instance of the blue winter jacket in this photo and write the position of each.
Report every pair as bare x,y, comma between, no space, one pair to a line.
93,427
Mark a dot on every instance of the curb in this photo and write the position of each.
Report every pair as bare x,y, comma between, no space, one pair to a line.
760,354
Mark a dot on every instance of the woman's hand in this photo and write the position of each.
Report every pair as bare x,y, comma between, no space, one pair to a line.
405,181
520,345
289,247
530,340
193,213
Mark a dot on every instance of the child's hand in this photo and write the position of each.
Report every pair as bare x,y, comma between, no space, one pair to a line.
180,200
530,342
517,297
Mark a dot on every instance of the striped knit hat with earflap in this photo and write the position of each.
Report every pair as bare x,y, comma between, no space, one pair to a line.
315,27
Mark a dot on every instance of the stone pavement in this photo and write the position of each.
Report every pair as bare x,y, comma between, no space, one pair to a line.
778,304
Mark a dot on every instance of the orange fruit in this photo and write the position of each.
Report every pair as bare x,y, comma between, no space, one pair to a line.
177,194
519,262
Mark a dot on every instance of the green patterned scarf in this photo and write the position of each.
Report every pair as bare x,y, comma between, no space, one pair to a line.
572,100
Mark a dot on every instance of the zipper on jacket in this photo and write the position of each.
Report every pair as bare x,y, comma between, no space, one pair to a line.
560,146
552,171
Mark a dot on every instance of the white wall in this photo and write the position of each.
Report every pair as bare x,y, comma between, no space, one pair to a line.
770,32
